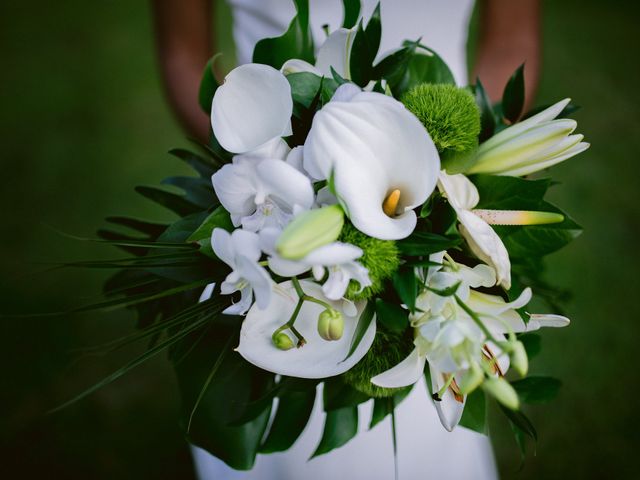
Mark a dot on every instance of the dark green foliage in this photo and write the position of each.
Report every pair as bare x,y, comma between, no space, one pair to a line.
381,258
513,96
388,349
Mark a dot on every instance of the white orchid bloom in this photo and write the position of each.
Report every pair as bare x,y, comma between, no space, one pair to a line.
335,52
337,259
260,193
378,158
241,251
251,108
532,145
483,241
451,340
317,358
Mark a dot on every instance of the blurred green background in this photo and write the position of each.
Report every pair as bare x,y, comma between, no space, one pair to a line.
83,120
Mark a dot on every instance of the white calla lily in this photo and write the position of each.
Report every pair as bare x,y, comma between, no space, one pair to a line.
252,107
262,193
378,158
334,53
317,358
241,251
483,241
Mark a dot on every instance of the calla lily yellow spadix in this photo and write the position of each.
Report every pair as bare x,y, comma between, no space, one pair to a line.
369,145
310,230
529,146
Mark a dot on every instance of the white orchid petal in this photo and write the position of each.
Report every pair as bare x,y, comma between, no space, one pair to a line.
240,308
333,253
372,145
252,107
222,246
485,243
246,244
449,409
318,358
324,197
335,52
284,182
336,285
258,278
287,268
407,372
207,292
275,148
234,185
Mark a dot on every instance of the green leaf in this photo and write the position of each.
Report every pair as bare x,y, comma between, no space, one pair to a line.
427,67
384,406
513,96
292,416
337,394
204,166
219,218
235,384
142,226
487,118
198,190
351,12
296,42
363,323
510,193
474,416
305,87
340,426
537,389
405,283
426,243
208,85
520,421
393,67
392,316
365,48
175,203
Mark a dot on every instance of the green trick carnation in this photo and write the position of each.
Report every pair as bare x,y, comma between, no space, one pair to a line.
388,349
380,257
451,117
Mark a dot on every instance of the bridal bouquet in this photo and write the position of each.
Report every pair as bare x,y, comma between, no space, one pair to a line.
358,221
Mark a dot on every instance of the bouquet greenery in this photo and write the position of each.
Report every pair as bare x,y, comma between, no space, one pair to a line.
357,221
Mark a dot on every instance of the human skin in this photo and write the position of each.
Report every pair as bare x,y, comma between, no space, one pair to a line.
509,34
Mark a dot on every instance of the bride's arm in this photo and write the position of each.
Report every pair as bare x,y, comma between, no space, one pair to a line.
509,36
184,43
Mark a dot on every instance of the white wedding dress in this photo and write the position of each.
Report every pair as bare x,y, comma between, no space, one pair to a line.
425,449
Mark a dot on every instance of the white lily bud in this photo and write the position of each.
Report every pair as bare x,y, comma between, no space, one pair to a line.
519,359
530,146
471,379
310,230
502,391
330,324
283,341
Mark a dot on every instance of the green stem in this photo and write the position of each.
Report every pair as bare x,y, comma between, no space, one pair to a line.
474,316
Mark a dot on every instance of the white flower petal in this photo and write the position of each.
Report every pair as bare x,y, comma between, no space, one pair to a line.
449,409
295,65
536,167
335,52
333,254
246,244
207,292
485,243
253,106
235,187
345,92
222,246
259,280
537,321
370,146
282,181
460,192
318,358
405,373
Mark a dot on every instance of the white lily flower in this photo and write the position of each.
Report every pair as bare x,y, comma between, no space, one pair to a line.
336,259
379,159
241,251
335,52
317,358
261,193
532,145
252,107
452,342
483,241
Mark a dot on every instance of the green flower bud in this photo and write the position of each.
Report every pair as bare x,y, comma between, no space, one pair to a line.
309,231
471,379
283,341
502,391
519,359
330,324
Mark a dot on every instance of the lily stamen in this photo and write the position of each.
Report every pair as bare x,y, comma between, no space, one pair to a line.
390,204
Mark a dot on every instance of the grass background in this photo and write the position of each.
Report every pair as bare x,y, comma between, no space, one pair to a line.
82,121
